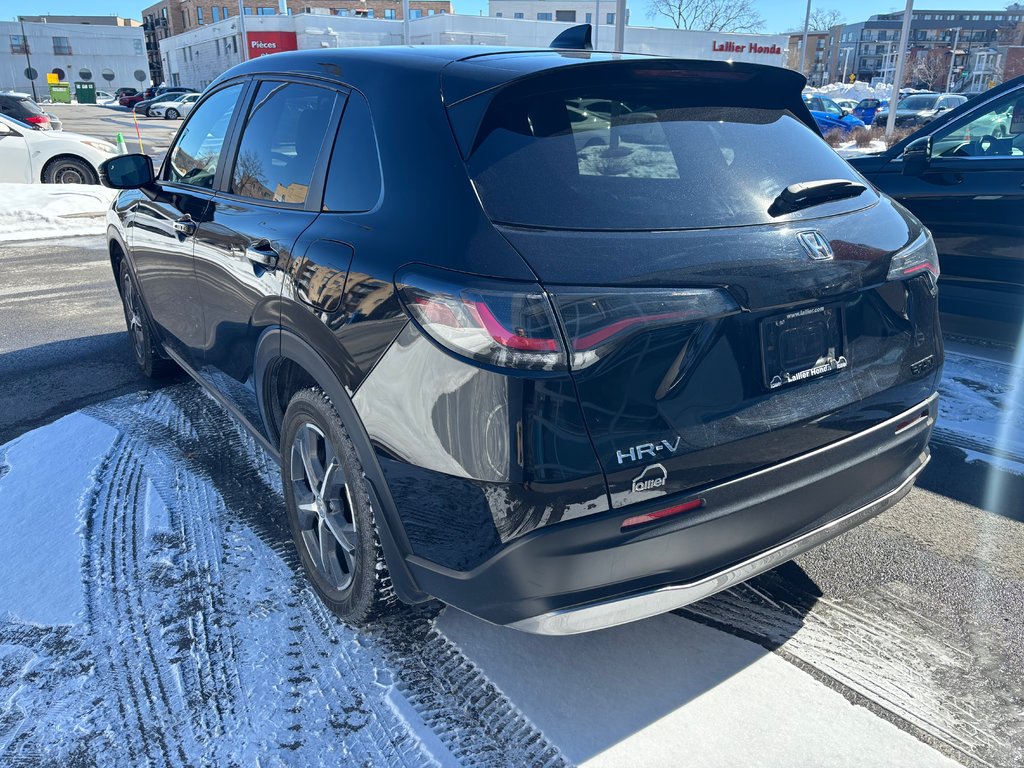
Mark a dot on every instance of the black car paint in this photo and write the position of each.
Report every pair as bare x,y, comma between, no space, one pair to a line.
974,208
463,488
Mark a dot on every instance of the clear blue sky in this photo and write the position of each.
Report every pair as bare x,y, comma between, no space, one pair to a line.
780,14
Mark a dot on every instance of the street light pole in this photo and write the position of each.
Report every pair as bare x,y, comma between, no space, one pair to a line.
897,78
28,61
952,60
620,25
241,28
803,44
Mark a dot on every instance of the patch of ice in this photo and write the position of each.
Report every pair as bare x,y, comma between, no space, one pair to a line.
41,211
976,398
40,500
667,690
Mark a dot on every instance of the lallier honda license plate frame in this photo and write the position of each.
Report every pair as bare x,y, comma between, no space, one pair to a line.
803,345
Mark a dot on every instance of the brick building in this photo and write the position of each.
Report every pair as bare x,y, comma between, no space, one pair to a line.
168,18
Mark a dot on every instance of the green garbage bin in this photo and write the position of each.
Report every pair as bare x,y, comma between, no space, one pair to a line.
60,93
85,92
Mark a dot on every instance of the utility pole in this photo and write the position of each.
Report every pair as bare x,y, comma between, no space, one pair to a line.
803,43
952,60
620,25
241,28
597,22
28,61
405,22
897,78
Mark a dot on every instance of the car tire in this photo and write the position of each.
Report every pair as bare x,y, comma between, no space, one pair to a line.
171,114
140,334
69,170
329,512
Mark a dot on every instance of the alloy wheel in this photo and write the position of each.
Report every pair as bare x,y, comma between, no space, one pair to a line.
324,506
133,311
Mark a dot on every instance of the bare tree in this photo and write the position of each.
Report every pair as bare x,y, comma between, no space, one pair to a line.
928,69
823,19
708,15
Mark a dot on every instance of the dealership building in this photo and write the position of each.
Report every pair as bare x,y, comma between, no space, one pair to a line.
197,57
107,51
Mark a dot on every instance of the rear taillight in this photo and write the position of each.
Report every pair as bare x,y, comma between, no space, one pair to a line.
520,325
596,321
38,120
920,257
500,323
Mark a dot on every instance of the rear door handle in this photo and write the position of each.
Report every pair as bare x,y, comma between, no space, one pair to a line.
262,254
185,226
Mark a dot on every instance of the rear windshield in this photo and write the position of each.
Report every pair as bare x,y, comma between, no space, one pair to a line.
917,102
626,156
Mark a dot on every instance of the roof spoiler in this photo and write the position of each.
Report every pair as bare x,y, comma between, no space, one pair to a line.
574,39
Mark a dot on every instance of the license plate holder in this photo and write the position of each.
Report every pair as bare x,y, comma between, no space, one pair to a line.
803,345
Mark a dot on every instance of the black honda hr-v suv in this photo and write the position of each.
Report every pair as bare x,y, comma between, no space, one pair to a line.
563,338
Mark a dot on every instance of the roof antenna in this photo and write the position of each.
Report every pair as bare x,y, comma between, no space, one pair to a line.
574,39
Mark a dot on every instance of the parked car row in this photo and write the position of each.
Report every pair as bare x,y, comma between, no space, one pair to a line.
829,116
28,155
142,103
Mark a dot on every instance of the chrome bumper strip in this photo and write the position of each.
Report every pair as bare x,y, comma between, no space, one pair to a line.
622,610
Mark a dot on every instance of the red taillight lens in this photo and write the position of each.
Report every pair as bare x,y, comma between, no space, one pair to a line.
38,120
507,324
520,325
596,321
917,258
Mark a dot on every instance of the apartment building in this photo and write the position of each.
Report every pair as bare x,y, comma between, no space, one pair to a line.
168,18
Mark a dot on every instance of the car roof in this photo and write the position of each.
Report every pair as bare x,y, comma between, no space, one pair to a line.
484,66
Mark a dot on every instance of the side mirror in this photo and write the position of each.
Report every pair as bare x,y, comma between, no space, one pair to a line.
845,112
127,172
917,155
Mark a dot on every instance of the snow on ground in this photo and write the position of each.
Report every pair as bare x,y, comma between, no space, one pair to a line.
173,627
185,634
981,409
850,149
41,211
667,691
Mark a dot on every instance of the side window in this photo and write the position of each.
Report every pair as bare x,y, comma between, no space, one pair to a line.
196,153
832,108
995,131
281,142
354,178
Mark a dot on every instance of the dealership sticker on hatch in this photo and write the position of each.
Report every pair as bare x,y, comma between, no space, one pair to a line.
653,477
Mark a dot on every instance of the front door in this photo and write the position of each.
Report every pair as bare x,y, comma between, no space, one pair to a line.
972,199
14,158
165,221
272,194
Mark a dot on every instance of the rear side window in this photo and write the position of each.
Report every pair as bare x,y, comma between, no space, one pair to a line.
19,107
354,178
643,156
281,142
194,158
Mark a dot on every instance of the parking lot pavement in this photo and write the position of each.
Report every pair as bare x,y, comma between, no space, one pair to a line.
107,122
914,615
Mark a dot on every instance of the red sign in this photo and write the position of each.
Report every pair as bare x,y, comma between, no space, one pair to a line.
263,43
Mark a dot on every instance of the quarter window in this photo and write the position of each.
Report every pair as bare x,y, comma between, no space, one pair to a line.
354,179
195,155
281,142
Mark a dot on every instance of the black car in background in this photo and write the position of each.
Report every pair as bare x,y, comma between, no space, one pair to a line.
963,177
592,337
21,107
917,109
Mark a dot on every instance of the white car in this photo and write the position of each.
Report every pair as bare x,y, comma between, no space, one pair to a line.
31,157
847,104
172,110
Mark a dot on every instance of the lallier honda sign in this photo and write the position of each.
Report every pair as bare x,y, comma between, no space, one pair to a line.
263,43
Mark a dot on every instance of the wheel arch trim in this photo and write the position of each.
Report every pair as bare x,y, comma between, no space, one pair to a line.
279,344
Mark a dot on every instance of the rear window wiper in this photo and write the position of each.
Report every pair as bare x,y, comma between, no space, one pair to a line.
808,193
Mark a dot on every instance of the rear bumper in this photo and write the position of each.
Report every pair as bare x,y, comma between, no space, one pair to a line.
588,574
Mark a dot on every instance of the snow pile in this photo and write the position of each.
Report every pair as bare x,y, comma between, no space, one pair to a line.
858,91
850,148
40,211
980,410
